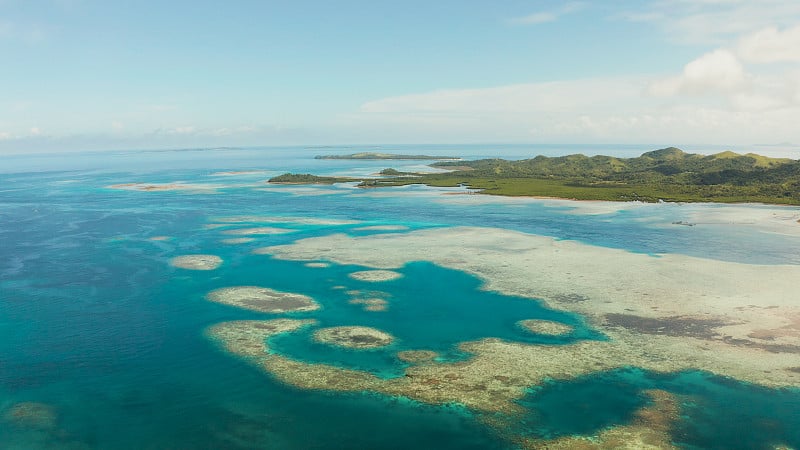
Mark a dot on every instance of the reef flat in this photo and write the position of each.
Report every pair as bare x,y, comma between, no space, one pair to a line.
664,314
196,262
263,299
547,327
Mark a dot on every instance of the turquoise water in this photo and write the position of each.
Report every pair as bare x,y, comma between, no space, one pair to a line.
94,322
718,413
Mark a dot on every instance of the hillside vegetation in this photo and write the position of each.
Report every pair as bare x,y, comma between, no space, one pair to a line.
668,174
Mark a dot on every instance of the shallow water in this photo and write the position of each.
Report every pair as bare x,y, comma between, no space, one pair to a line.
94,322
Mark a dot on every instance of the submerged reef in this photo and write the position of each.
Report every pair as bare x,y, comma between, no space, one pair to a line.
370,304
196,262
353,337
547,327
262,299
375,276
35,415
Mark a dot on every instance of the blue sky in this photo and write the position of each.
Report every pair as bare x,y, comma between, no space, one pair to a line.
90,75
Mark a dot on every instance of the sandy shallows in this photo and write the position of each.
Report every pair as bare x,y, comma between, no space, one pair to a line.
547,327
35,415
263,299
233,241
317,265
353,337
196,262
258,230
375,276
159,238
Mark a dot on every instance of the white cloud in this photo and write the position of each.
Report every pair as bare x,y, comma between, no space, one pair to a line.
714,72
547,16
771,45
714,21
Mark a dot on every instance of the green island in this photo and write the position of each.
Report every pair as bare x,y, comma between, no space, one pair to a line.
669,174
388,156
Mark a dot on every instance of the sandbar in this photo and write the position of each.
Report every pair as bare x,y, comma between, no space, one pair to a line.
281,219
317,265
257,231
353,337
196,262
382,228
547,327
375,276
242,240
262,299
159,238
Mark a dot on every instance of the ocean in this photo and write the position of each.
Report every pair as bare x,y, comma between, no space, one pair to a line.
104,344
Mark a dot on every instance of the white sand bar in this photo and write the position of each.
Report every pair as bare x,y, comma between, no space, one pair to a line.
196,262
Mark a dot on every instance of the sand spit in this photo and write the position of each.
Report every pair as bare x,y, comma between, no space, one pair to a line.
417,356
196,262
280,219
353,337
257,231
546,327
382,228
375,276
263,299
243,240
35,415
650,430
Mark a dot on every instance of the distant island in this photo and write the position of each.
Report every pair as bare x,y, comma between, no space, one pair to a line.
669,174
388,156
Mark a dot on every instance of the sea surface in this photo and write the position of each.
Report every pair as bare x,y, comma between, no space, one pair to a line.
96,325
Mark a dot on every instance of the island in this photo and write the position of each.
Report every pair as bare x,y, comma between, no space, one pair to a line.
668,174
390,156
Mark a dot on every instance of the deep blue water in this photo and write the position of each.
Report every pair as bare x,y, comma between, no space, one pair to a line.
94,322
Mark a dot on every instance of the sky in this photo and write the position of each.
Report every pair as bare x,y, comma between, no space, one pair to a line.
106,74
